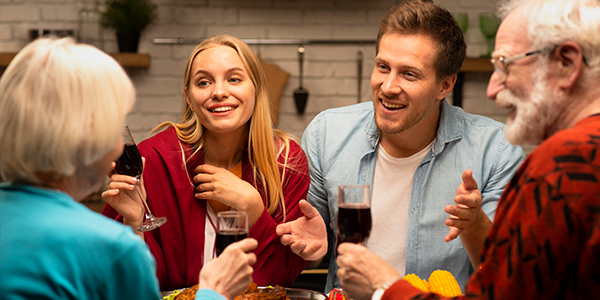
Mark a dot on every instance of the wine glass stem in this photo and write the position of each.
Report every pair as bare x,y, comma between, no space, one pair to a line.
490,46
148,213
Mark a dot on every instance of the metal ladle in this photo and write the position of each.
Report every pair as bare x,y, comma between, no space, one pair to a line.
300,94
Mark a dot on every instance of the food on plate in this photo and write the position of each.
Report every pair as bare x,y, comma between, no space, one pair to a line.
267,293
440,282
252,292
171,295
187,294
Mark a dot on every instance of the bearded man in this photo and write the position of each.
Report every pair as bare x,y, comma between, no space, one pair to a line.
545,240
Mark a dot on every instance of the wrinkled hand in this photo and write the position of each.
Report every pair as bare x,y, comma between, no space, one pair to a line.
220,184
121,195
361,271
467,211
231,272
307,235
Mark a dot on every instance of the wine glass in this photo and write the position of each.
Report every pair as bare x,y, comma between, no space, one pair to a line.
462,19
130,164
354,213
489,23
232,226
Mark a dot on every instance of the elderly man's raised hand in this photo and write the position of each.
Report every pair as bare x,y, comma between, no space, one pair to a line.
467,219
467,211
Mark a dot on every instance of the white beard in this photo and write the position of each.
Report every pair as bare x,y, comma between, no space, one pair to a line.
537,118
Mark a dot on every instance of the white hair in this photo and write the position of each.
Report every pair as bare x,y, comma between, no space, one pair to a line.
552,22
62,107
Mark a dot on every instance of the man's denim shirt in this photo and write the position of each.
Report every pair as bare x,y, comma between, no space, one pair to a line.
341,145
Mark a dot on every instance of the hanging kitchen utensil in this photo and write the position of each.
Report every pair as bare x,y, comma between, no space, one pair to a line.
300,94
359,63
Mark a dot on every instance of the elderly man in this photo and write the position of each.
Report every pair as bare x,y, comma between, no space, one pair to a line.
412,148
545,241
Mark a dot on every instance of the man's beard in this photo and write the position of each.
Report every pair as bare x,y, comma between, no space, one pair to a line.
536,118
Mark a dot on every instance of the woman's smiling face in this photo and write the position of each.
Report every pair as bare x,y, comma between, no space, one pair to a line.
221,92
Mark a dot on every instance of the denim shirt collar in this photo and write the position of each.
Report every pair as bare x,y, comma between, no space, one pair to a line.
449,129
373,133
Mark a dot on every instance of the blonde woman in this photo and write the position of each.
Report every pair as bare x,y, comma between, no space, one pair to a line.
62,111
223,155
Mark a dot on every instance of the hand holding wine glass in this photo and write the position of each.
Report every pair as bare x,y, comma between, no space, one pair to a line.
130,164
354,213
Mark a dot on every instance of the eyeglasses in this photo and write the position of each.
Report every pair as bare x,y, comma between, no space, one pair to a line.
501,62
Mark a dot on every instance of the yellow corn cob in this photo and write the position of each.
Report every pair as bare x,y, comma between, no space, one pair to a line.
443,283
417,282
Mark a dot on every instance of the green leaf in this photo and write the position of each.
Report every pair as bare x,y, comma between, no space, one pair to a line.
129,15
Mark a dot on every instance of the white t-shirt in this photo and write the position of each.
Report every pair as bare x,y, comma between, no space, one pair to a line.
210,234
392,186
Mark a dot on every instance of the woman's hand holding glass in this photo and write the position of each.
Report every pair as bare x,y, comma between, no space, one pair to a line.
214,183
121,195
131,164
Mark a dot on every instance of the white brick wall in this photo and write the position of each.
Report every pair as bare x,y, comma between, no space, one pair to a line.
330,71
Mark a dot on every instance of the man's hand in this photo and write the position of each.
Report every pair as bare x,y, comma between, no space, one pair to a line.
467,211
361,271
307,235
467,219
231,272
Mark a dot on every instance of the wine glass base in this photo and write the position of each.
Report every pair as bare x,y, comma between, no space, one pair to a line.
152,224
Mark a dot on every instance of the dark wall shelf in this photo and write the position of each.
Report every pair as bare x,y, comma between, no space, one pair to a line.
477,65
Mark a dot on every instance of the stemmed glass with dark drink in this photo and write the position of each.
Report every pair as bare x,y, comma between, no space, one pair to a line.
232,226
130,164
489,23
354,213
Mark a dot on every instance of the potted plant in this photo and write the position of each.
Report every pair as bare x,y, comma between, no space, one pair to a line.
129,18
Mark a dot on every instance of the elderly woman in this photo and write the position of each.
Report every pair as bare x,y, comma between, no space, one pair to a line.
62,111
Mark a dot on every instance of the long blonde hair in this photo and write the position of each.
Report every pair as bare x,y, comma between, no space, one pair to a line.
264,144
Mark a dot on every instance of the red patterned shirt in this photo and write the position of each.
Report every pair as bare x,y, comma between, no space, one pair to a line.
545,242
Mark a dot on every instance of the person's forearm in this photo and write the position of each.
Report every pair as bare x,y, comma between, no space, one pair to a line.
313,264
474,239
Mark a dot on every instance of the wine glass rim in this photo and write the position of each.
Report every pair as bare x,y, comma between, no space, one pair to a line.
353,185
231,213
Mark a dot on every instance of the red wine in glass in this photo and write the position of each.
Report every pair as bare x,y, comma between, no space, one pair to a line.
354,223
227,237
130,164
354,213
232,226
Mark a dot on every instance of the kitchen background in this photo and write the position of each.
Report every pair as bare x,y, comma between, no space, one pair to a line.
330,70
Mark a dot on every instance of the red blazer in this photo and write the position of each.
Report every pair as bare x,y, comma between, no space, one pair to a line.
178,245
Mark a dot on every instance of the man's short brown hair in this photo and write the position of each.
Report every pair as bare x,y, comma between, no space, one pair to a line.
425,17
